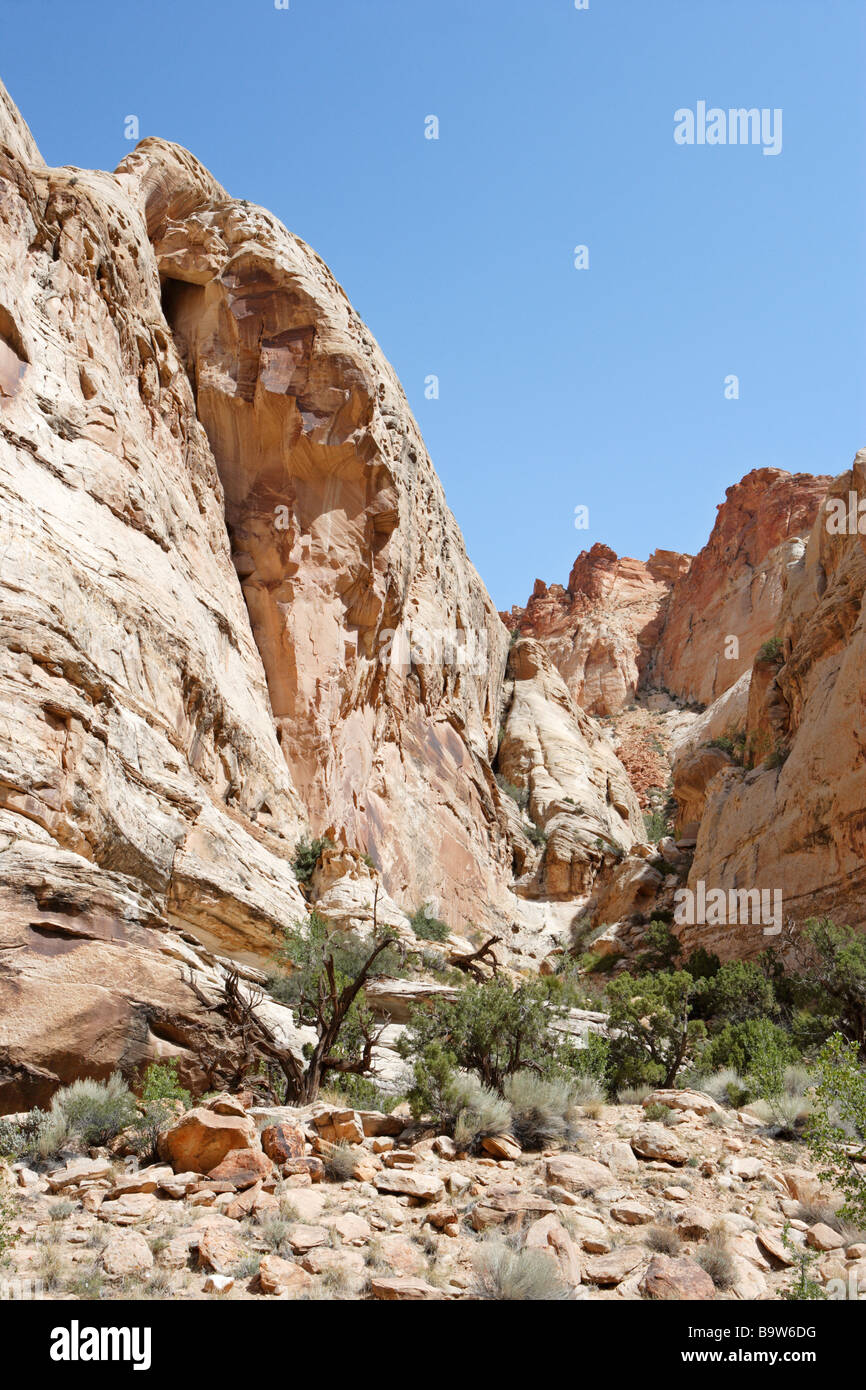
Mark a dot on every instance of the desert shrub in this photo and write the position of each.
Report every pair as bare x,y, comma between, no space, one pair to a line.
161,1097
20,1140
715,1257
655,1036
274,1231
518,794
656,826
427,927
634,1095
543,1112
8,1236
476,1111
836,1132
87,1285
536,834
588,1093
661,1114
726,1087
664,1239
339,1161
307,855
509,1275
92,1112
770,649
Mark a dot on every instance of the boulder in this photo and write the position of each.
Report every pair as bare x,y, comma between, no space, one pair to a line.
677,1278
126,1253
283,1141
656,1141
202,1137
278,1276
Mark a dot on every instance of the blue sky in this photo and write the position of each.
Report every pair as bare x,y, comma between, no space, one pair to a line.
558,387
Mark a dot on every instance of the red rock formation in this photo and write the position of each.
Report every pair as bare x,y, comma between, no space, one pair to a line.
602,628
734,586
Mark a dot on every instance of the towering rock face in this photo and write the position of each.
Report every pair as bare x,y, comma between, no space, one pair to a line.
382,650
796,820
733,588
142,789
602,627
236,608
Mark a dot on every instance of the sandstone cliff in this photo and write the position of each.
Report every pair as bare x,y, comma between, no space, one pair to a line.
733,587
236,609
796,819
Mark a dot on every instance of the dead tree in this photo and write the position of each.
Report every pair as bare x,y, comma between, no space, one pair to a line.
326,1010
472,964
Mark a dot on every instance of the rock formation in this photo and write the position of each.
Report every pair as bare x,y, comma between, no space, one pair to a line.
794,817
236,609
733,587
601,629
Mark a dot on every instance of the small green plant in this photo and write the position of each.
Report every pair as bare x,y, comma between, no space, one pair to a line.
162,1096
307,855
656,826
805,1289
536,835
518,794
771,649
836,1131
427,927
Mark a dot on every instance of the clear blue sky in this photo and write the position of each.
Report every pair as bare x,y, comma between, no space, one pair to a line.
558,387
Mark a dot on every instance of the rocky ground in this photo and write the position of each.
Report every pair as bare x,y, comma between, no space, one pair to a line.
248,1202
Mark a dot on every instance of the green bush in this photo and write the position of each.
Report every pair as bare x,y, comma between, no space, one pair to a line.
749,1048
834,982
654,1033
771,649
492,1029
161,1097
427,927
307,855
836,1132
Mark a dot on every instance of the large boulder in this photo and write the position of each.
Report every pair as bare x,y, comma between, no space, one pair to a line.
201,1139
